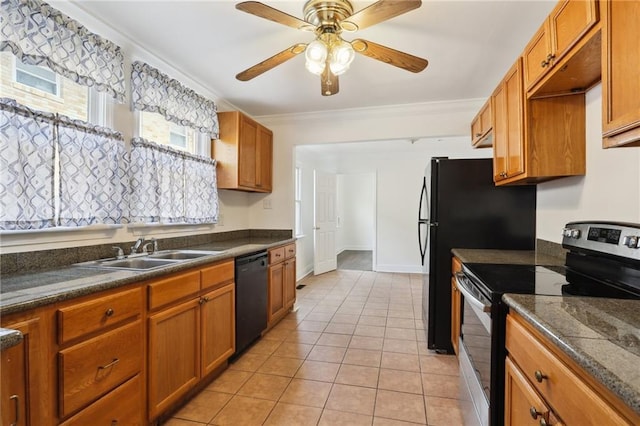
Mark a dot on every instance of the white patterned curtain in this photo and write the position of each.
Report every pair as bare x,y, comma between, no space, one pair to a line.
93,179
171,186
154,91
38,34
201,185
27,156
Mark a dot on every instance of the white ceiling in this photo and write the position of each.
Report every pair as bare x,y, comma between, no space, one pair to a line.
469,45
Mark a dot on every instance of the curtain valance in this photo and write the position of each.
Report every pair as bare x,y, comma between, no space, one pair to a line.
38,34
153,91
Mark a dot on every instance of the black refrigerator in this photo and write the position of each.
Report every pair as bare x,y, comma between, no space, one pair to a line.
460,207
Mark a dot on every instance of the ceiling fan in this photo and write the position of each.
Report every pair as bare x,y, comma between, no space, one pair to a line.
329,55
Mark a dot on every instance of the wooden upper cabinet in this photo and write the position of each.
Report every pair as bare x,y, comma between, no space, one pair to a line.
563,55
481,127
244,153
620,73
508,139
535,140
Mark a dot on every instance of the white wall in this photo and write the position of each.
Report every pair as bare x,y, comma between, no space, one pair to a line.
609,191
356,211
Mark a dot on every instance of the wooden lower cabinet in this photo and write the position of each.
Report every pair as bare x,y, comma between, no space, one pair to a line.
25,391
13,367
546,373
218,327
174,354
282,282
456,300
523,406
120,407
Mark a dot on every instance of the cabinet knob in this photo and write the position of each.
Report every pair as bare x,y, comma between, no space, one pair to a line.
109,312
543,422
544,63
478,135
534,413
550,57
539,376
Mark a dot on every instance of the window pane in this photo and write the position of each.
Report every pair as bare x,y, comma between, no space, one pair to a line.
154,127
36,82
34,86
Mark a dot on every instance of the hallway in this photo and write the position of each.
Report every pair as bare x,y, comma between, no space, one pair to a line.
353,353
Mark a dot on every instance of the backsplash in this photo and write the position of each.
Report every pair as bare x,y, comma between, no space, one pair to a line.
12,263
550,248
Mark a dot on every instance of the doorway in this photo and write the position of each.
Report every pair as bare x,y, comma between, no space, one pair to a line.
356,223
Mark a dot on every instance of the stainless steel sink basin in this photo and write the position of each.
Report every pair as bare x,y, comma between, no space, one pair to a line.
143,263
183,254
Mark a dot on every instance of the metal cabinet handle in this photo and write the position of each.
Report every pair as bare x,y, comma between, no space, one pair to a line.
539,376
16,402
534,413
203,300
543,422
109,312
111,364
544,63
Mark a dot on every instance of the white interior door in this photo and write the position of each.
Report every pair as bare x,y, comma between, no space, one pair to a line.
325,258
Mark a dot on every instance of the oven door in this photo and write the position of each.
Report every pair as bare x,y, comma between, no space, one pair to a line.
475,347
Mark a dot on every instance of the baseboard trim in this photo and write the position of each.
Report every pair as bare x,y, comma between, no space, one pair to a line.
401,269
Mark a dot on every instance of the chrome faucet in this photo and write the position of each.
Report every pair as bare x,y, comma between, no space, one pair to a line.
136,246
153,243
119,252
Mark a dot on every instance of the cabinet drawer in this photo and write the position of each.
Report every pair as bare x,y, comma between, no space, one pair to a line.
94,367
560,386
84,318
122,406
168,290
276,255
290,251
217,274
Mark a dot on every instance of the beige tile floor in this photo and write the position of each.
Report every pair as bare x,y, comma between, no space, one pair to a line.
353,353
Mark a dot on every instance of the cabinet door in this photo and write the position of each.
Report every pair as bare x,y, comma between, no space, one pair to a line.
289,282
218,327
455,315
522,405
14,385
535,59
276,291
24,373
247,147
264,162
620,82
569,21
174,354
500,135
515,117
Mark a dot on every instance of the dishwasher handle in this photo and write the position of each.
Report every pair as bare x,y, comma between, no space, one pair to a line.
251,258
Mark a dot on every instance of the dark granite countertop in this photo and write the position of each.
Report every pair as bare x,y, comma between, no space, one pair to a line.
9,338
20,292
601,335
517,257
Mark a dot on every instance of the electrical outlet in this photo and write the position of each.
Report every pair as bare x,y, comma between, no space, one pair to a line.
266,203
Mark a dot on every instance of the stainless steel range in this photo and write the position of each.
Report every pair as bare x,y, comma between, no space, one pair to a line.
603,260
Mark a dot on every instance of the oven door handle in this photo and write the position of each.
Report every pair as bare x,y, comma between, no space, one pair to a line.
461,282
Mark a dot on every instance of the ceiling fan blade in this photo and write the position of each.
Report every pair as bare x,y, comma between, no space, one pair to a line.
330,85
379,11
275,15
271,62
389,55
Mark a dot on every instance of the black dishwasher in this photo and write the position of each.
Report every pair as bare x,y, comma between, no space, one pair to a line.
251,298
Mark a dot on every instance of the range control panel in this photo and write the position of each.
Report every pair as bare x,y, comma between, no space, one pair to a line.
616,238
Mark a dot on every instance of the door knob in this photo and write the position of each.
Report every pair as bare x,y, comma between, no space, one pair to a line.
315,228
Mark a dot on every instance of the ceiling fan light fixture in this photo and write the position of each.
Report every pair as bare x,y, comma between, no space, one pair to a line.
316,56
341,57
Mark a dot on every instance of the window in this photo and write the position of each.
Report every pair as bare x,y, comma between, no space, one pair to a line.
154,127
41,89
298,200
40,78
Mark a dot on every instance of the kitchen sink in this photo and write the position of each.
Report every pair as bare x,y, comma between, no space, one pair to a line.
145,262
183,254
